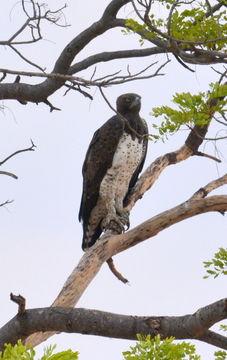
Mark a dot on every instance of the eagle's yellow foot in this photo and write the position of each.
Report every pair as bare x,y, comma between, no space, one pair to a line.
113,222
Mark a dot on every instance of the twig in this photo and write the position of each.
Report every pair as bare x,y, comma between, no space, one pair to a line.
8,174
20,300
199,153
52,107
118,275
73,87
3,77
206,138
25,59
31,148
205,190
6,202
97,82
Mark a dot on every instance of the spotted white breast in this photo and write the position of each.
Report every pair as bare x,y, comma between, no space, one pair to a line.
115,183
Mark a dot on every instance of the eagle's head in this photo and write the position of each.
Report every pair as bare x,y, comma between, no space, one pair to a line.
128,103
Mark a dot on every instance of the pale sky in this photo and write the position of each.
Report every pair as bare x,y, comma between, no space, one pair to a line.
41,236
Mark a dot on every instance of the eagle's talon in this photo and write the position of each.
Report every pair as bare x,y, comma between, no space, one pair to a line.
113,222
124,218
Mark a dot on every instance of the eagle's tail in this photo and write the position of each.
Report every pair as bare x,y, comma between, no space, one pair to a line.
90,236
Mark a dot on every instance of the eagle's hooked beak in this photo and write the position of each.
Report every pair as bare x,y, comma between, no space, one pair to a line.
136,103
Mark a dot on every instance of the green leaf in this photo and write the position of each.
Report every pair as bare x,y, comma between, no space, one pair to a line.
191,110
220,355
218,265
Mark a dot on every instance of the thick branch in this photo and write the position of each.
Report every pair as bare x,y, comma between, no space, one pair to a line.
113,55
110,245
94,322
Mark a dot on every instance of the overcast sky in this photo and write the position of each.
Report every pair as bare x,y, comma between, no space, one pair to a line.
40,233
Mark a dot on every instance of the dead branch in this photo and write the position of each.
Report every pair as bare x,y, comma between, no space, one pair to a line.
20,300
7,173
32,25
31,148
52,107
199,153
116,273
204,191
6,202
99,82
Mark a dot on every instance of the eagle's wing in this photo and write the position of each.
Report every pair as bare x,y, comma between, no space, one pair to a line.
98,159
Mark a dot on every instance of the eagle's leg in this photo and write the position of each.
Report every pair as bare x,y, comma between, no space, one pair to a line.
124,216
115,218
113,221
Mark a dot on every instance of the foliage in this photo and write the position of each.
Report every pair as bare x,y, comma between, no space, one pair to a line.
220,355
26,352
187,24
223,327
218,265
193,25
192,110
156,349
148,348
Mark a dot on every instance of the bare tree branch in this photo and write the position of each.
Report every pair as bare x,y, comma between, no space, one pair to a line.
204,191
7,173
104,81
33,25
101,323
31,148
94,322
6,202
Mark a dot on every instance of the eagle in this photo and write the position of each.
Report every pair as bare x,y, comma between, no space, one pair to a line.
114,159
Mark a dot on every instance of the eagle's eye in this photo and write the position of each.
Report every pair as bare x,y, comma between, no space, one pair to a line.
127,100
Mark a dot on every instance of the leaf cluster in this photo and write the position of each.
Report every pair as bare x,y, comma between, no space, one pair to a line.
218,265
193,25
26,352
220,355
185,24
192,110
148,348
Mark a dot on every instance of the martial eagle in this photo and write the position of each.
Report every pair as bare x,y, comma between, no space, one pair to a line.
114,159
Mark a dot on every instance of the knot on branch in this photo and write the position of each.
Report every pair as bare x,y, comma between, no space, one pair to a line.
20,300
